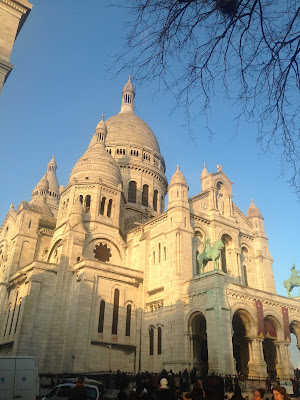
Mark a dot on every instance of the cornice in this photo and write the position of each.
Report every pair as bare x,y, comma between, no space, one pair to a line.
22,6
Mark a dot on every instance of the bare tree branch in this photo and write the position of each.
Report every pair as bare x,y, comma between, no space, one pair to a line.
248,48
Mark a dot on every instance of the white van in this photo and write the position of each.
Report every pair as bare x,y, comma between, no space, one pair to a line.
19,378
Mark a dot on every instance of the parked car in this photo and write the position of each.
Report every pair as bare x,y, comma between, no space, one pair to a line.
62,392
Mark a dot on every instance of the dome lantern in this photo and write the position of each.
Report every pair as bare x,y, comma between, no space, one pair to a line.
128,97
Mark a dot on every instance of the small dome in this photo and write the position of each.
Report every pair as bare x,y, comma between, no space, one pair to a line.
128,85
43,183
204,172
102,125
129,130
253,211
178,178
97,163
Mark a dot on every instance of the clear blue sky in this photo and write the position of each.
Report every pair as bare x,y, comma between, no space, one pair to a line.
60,86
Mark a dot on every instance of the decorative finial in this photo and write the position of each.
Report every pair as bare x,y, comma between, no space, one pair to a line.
251,201
129,78
177,167
102,117
204,166
219,168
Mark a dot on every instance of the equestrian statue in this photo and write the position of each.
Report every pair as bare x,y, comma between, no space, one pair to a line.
293,281
210,253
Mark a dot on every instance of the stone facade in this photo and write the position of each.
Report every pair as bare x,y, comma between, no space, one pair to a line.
97,276
13,14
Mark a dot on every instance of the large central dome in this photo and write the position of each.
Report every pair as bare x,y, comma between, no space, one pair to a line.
128,129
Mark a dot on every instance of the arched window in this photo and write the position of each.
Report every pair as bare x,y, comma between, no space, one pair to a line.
155,195
151,340
165,253
114,329
13,314
102,205
245,275
197,263
19,310
145,195
244,262
101,316
132,192
87,203
109,208
223,260
159,340
8,314
226,239
159,251
128,320
81,199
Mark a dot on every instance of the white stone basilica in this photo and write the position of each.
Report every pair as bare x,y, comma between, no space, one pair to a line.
97,276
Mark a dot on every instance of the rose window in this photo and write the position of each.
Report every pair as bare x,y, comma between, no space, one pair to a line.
102,252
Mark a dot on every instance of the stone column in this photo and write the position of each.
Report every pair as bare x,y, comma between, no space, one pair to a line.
257,366
284,367
219,326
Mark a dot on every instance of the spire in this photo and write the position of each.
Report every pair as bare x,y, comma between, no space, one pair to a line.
204,172
100,134
128,95
52,164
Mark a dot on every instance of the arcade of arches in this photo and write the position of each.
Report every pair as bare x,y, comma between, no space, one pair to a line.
253,354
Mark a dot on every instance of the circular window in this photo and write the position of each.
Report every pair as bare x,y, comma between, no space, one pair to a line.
102,252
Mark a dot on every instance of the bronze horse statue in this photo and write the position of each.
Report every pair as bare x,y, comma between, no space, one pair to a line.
210,253
293,281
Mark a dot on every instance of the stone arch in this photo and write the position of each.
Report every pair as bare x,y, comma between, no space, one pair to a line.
247,318
198,341
117,250
295,329
243,306
4,247
243,326
197,247
221,192
129,302
112,292
246,264
226,258
55,252
276,318
273,332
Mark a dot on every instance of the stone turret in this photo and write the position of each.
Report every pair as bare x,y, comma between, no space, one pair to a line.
178,190
128,95
256,219
53,189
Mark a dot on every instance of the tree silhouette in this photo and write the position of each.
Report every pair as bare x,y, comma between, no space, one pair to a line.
247,50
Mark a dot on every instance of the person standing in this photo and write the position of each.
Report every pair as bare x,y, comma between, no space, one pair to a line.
78,392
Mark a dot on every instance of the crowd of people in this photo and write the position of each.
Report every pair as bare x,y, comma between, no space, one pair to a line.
210,389
188,386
